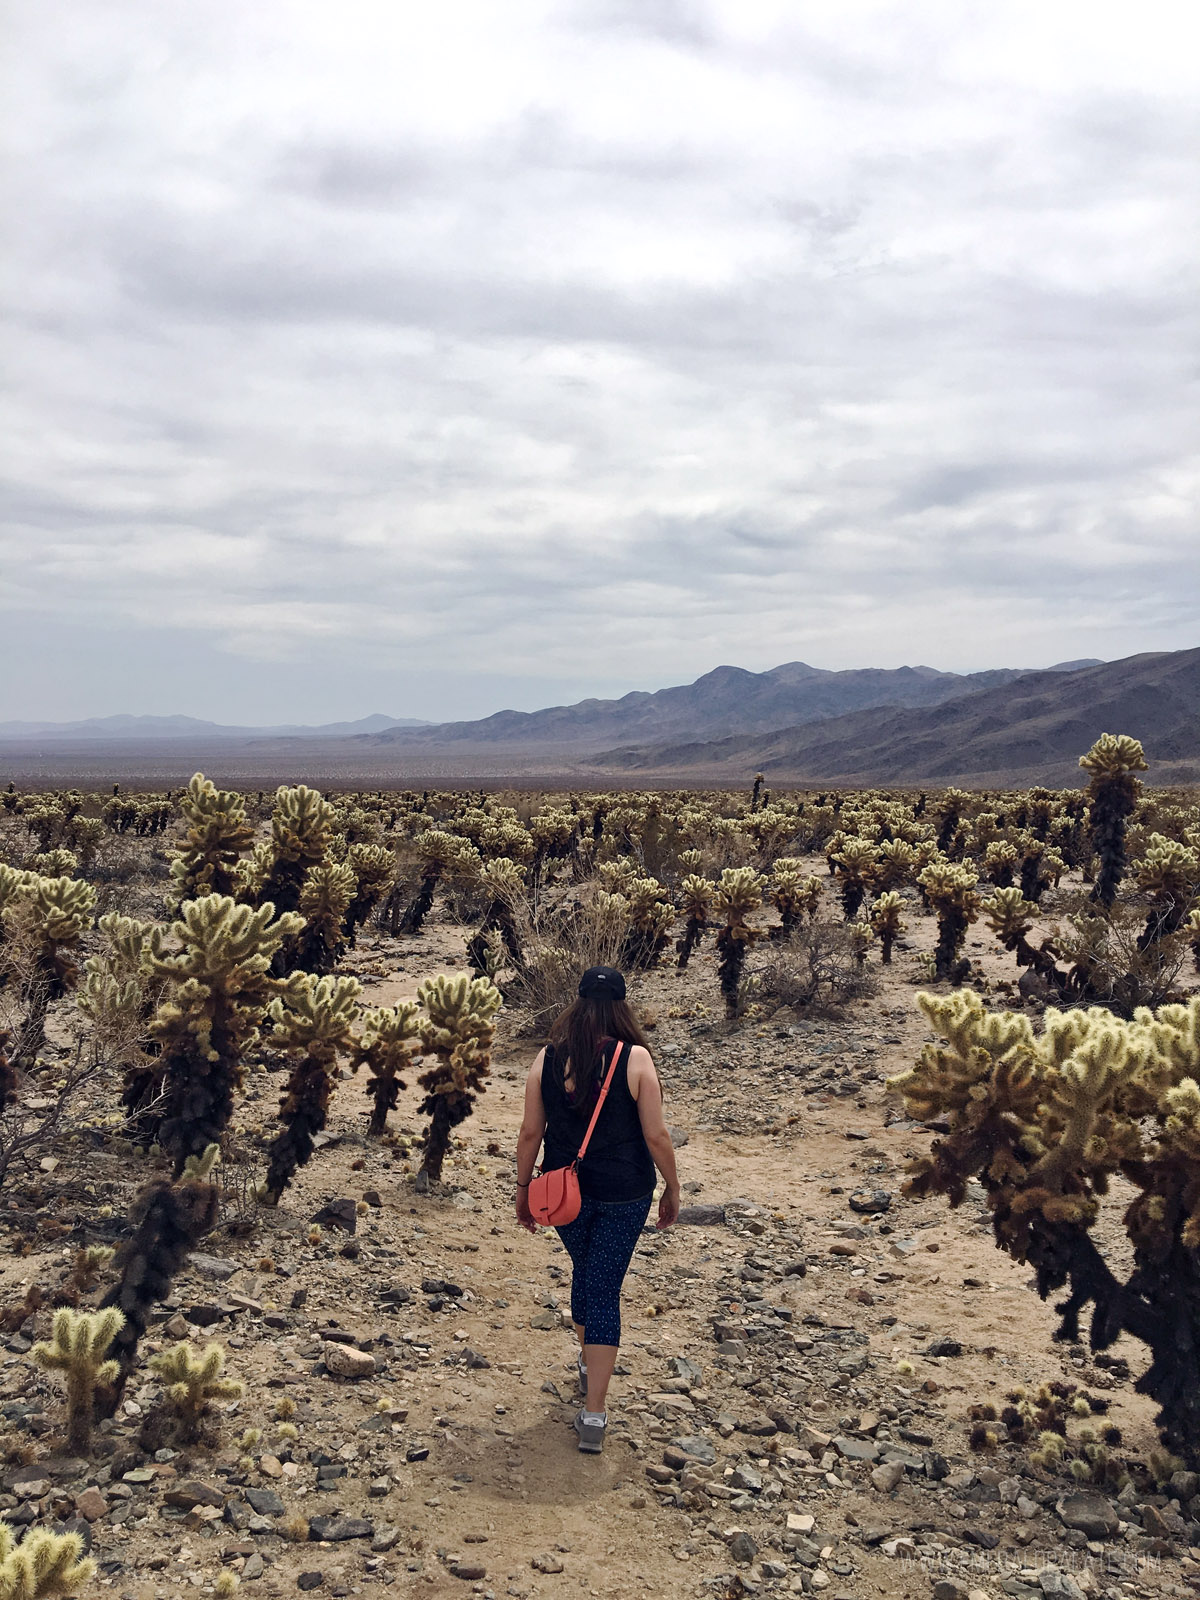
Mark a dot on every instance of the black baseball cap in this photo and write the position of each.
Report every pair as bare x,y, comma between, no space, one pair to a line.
602,983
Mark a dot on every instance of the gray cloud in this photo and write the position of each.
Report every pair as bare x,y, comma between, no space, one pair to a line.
520,353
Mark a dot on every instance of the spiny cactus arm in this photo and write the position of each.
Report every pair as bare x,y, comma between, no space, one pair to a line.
45,1565
1114,755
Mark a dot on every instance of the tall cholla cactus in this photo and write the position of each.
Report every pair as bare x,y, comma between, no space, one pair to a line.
738,895
313,1023
854,865
950,889
503,882
1000,860
46,916
457,1029
696,895
78,1346
386,1045
192,1382
794,895
895,864
325,900
218,985
301,829
1009,915
442,855
372,866
650,917
1113,763
887,922
1044,1123
216,835
118,996
1192,928
44,1565
1169,873
169,1221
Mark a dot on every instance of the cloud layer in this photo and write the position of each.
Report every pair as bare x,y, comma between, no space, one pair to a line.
429,359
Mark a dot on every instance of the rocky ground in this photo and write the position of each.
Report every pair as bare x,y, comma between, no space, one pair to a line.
790,1409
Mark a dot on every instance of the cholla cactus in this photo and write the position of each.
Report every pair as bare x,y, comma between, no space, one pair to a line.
457,1029
313,1023
1113,763
1045,1122
1192,927
43,1565
1008,914
386,1045
1000,863
1169,873
442,855
372,866
650,918
46,917
217,833
950,808
854,865
301,830
503,883
118,996
325,901
790,893
696,894
218,985
192,1382
738,895
895,864
860,935
887,922
169,1221
78,1348
950,889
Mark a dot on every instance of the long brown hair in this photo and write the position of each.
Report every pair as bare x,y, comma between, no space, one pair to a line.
577,1035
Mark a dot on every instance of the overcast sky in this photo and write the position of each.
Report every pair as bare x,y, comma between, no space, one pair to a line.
430,359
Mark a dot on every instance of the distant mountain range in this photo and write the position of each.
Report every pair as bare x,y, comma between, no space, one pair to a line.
725,702
797,724
1032,729
125,729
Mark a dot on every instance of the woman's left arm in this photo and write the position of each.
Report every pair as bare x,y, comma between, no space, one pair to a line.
529,1141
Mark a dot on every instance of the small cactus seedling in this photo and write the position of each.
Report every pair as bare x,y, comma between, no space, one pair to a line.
78,1348
192,1382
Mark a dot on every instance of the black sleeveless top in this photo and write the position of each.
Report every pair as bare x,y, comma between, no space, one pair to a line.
618,1165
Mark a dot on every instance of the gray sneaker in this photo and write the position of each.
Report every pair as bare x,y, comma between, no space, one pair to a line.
582,1371
591,1435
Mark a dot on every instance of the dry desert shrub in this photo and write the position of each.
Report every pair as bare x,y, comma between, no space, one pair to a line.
817,971
560,941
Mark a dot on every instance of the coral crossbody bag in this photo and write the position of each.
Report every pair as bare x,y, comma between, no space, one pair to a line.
554,1197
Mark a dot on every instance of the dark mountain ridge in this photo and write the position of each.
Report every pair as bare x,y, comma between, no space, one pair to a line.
1033,729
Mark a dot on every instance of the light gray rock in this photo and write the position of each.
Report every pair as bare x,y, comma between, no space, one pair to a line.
344,1361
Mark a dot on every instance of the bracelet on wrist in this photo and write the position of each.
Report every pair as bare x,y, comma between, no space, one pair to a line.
522,1186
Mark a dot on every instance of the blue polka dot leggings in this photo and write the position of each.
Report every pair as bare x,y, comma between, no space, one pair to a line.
601,1242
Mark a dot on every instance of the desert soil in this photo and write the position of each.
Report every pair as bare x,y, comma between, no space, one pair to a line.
457,1453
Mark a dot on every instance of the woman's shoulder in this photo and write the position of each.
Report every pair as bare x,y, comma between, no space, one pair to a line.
638,1062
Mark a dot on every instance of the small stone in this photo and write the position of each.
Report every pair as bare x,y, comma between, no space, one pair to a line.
870,1201
857,1449
336,1529
265,1502
311,1580
944,1347
341,1213
887,1476
545,1319
254,1568
742,1548
91,1504
344,1361
379,1487
385,1538
177,1326
705,1216
1092,1514
470,1571
800,1522
219,1267
270,1466
949,1589
546,1564
747,1477
697,1448
193,1493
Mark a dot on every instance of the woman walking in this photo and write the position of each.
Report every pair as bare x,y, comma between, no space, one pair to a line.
616,1176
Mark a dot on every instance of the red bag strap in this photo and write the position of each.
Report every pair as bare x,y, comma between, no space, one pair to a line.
603,1095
